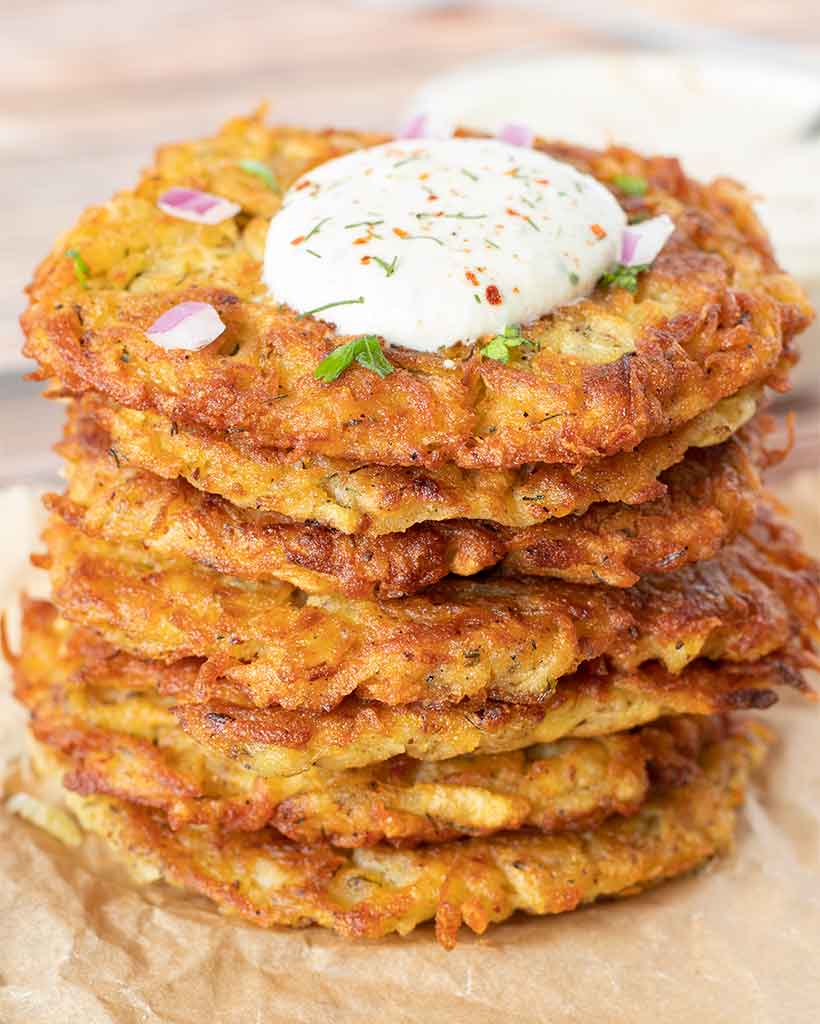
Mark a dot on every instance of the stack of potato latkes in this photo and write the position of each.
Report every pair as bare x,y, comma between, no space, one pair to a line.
451,642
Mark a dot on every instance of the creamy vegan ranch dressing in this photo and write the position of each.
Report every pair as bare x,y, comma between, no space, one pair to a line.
428,242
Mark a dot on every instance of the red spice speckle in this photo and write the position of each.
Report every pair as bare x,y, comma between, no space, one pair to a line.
365,260
303,184
362,240
597,230
471,277
432,198
493,295
298,240
400,232
542,181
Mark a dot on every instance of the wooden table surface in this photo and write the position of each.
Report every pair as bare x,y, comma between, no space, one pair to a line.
87,89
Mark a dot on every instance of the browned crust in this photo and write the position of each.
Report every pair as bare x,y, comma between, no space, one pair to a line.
369,499
369,893
107,689
485,638
710,496
714,314
569,786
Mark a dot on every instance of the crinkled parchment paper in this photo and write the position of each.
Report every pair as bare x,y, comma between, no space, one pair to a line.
738,943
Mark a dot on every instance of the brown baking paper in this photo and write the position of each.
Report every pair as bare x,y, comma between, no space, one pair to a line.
739,942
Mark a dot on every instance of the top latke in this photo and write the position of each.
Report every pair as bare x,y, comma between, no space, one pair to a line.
713,315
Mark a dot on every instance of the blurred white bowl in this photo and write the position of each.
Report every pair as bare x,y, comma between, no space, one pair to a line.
720,116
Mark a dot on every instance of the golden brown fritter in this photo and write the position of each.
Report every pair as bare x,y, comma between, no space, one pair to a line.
711,496
106,689
357,498
568,785
484,638
712,315
374,891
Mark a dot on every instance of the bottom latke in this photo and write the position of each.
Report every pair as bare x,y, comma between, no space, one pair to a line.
371,892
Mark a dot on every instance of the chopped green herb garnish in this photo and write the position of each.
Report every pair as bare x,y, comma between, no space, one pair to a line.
421,238
316,228
452,216
263,172
499,347
492,244
532,223
408,159
365,350
81,268
388,268
330,305
573,277
624,277
477,297
469,174
313,253
631,184
364,223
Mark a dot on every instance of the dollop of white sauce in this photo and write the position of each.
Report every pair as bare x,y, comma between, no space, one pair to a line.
429,242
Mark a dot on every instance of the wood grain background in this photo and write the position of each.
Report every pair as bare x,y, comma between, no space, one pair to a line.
88,88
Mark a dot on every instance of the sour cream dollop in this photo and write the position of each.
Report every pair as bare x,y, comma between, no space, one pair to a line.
428,242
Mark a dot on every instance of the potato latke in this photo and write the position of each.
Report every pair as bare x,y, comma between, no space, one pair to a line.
108,690
712,315
373,891
486,638
711,496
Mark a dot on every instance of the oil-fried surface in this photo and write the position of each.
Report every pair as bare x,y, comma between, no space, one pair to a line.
712,315
372,892
711,496
568,785
111,691
485,638
358,498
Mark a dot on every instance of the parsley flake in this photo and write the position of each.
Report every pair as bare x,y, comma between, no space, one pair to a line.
366,351
624,277
631,184
388,268
420,238
452,216
499,347
81,268
263,172
316,228
330,305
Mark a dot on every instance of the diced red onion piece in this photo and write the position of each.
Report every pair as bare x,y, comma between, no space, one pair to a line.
641,243
516,134
199,207
415,127
190,326
423,126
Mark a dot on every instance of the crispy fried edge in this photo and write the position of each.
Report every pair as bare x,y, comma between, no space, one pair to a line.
754,597
370,893
717,338
711,496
